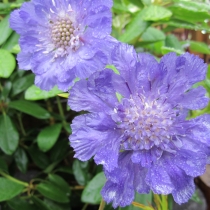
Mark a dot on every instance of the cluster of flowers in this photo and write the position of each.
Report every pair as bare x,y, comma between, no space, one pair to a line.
136,124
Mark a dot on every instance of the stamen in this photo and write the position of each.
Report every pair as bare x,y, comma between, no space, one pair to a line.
64,35
145,123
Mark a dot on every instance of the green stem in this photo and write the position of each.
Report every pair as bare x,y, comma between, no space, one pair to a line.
102,205
21,125
164,202
13,179
85,206
60,108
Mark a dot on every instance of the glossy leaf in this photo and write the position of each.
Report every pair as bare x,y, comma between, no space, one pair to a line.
39,203
118,7
172,41
156,13
5,30
185,24
48,137
39,158
135,28
21,159
56,206
80,172
9,136
35,93
166,50
20,204
9,189
60,182
52,192
152,35
30,108
6,90
7,63
59,151
199,47
155,47
190,11
11,42
91,193
22,84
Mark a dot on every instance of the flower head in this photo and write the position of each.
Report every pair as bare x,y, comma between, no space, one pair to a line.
137,128
61,40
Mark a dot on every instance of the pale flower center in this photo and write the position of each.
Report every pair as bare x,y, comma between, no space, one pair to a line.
145,123
64,34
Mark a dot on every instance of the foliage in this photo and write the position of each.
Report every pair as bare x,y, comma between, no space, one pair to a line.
36,162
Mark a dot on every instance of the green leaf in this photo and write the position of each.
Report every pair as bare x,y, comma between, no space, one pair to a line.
11,42
135,28
156,13
20,204
9,189
195,197
21,160
8,135
91,193
155,48
146,2
48,137
51,167
185,24
52,192
60,182
152,35
7,63
5,30
65,169
6,90
35,93
80,171
190,11
136,2
55,206
118,7
39,158
22,84
30,108
39,203
59,151
199,47
166,50
172,41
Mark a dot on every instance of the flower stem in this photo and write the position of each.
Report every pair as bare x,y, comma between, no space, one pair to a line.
13,179
102,205
85,206
21,125
60,108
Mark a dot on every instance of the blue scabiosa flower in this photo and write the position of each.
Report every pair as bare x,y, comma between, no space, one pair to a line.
63,39
137,128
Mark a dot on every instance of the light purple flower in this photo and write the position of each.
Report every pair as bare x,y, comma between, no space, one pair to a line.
137,128
61,40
